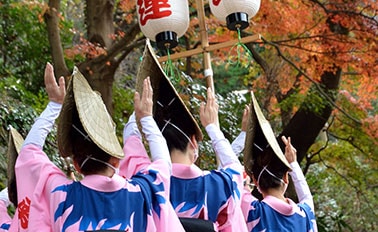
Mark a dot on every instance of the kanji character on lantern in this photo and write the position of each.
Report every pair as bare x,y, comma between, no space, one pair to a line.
163,21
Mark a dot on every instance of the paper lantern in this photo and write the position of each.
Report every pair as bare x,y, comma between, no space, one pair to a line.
236,13
163,21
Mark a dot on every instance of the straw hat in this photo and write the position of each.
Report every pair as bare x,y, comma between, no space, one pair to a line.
259,136
163,92
93,115
14,146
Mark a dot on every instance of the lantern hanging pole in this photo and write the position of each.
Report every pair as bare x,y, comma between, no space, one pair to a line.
211,47
208,71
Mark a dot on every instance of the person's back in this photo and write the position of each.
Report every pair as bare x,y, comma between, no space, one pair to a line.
102,200
269,169
275,212
212,195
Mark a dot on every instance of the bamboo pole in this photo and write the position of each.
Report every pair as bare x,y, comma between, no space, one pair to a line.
208,71
210,48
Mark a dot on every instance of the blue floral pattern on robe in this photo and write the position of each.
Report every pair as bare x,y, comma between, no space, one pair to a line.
112,209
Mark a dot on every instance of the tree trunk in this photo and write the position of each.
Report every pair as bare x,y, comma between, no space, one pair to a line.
99,21
53,33
306,124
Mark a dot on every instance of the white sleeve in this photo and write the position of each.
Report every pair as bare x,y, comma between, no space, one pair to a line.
5,197
43,125
156,141
221,146
238,144
131,128
301,187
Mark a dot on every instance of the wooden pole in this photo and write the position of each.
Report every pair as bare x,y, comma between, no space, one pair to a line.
208,71
210,48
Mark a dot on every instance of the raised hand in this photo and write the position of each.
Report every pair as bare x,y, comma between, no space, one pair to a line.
209,110
143,105
245,118
290,151
55,92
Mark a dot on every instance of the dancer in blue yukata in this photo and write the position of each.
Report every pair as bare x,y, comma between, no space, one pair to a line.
269,168
209,195
101,200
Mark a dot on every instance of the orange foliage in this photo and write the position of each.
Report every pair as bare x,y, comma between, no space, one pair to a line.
371,127
85,48
127,7
316,36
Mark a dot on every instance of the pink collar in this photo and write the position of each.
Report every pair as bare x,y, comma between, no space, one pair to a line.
103,183
185,171
281,206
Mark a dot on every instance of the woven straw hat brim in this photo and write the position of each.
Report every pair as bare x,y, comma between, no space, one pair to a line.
14,146
163,89
93,115
260,133
65,122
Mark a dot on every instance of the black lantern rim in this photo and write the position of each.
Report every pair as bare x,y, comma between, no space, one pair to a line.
238,20
166,40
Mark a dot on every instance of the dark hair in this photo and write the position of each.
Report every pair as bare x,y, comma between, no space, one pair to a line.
83,147
175,138
268,158
170,109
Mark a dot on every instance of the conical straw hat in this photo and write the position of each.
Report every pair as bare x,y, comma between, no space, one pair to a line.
14,146
93,115
163,91
259,136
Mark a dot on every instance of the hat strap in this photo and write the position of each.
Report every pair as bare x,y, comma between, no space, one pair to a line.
98,160
265,168
177,128
257,146
160,104
86,137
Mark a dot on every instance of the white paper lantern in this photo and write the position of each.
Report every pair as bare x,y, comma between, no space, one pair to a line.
236,13
163,21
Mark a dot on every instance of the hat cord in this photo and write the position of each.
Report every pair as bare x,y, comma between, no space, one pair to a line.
161,105
177,128
86,137
98,160
257,146
265,168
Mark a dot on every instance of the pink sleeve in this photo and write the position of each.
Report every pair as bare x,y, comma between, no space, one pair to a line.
247,199
235,220
168,220
238,178
136,157
5,219
164,217
14,224
231,218
38,175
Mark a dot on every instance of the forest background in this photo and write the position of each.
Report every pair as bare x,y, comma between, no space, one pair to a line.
314,73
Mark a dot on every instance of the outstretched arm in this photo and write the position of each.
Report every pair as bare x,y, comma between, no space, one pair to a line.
301,187
209,120
143,112
238,144
131,128
44,123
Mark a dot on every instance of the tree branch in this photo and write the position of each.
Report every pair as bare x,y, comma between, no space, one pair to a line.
350,183
319,89
119,46
52,22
